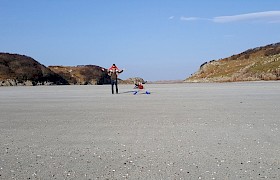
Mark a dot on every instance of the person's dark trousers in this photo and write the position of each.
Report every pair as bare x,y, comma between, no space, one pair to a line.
114,82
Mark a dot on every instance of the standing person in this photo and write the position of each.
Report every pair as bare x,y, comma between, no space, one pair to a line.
113,72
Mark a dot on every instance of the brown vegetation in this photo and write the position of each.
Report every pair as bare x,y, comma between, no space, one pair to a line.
82,75
22,70
262,63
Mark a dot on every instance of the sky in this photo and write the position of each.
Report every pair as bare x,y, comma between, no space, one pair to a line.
151,39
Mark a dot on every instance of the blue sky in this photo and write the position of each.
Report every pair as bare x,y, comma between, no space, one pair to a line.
152,39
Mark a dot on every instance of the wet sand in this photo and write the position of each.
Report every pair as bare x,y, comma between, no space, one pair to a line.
179,131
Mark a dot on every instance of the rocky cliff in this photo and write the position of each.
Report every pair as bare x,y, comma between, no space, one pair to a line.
261,63
82,75
23,70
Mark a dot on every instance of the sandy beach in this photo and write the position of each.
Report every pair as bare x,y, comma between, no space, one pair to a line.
179,131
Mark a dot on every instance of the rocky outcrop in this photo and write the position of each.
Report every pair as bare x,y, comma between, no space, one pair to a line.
82,74
23,70
133,80
262,63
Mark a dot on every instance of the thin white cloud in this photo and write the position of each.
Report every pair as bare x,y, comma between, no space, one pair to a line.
189,18
171,17
266,16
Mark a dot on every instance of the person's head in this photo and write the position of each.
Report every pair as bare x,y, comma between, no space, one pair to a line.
114,65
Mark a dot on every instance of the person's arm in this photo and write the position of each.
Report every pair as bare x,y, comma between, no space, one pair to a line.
107,71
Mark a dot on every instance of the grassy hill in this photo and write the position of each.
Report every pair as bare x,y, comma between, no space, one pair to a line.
261,63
